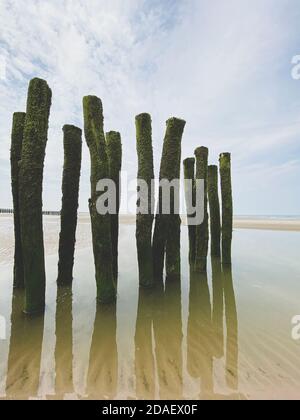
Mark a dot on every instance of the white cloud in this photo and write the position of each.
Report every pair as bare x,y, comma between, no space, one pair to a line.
216,64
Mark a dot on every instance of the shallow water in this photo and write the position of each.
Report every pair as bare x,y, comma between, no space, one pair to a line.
224,335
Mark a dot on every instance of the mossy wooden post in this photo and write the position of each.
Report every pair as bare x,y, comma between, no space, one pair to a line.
227,207
144,222
202,230
166,237
15,157
70,191
189,176
114,152
214,211
101,226
31,186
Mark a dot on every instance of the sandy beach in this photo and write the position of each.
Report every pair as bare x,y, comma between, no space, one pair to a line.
83,240
242,223
267,224
255,358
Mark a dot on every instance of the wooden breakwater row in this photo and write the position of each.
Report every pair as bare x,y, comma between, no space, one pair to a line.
157,238
45,212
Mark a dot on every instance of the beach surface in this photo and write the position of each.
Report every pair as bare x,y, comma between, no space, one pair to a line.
224,335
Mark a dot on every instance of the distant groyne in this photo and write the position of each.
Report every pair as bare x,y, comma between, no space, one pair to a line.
45,213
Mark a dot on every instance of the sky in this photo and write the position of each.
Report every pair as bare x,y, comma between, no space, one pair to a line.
223,66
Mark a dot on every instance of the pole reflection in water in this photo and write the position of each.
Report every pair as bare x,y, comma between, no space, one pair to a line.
205,335
103,363
64,343
199,333
232,329
144,359
159,332
217,308
171,384
212,333
25,349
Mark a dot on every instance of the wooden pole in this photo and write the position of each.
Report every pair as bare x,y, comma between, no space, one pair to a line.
166,236
70,192
214,211
144,222
202,230
114,152
15,158
101,224
31,186
189,176
227,207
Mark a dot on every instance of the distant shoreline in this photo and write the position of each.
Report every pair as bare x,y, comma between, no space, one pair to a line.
280,223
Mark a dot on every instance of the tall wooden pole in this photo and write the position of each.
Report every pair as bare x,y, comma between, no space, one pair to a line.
70,192
114,152
189,176
202,230
144,222
31,186
15,158
166,236
101,224
227,206
214,211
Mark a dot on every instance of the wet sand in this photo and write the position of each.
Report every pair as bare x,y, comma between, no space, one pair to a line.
226,335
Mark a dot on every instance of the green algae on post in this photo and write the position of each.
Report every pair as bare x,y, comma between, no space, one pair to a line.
144,222
214,210
101,225
31,187
70,191
201,154
189,186
114,152
166,236
227,206
15,158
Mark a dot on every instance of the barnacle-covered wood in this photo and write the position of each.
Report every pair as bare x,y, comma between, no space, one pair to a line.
114,152
201,154
15,158
189,176
227,206
166,238
144,222
101,224
70,191
214,211
31,186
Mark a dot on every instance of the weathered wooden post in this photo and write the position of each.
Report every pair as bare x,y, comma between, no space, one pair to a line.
70,192
114,152
101,224
166,236
227,207
144,222
189,176
214,211
202,230
31,186
15,158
